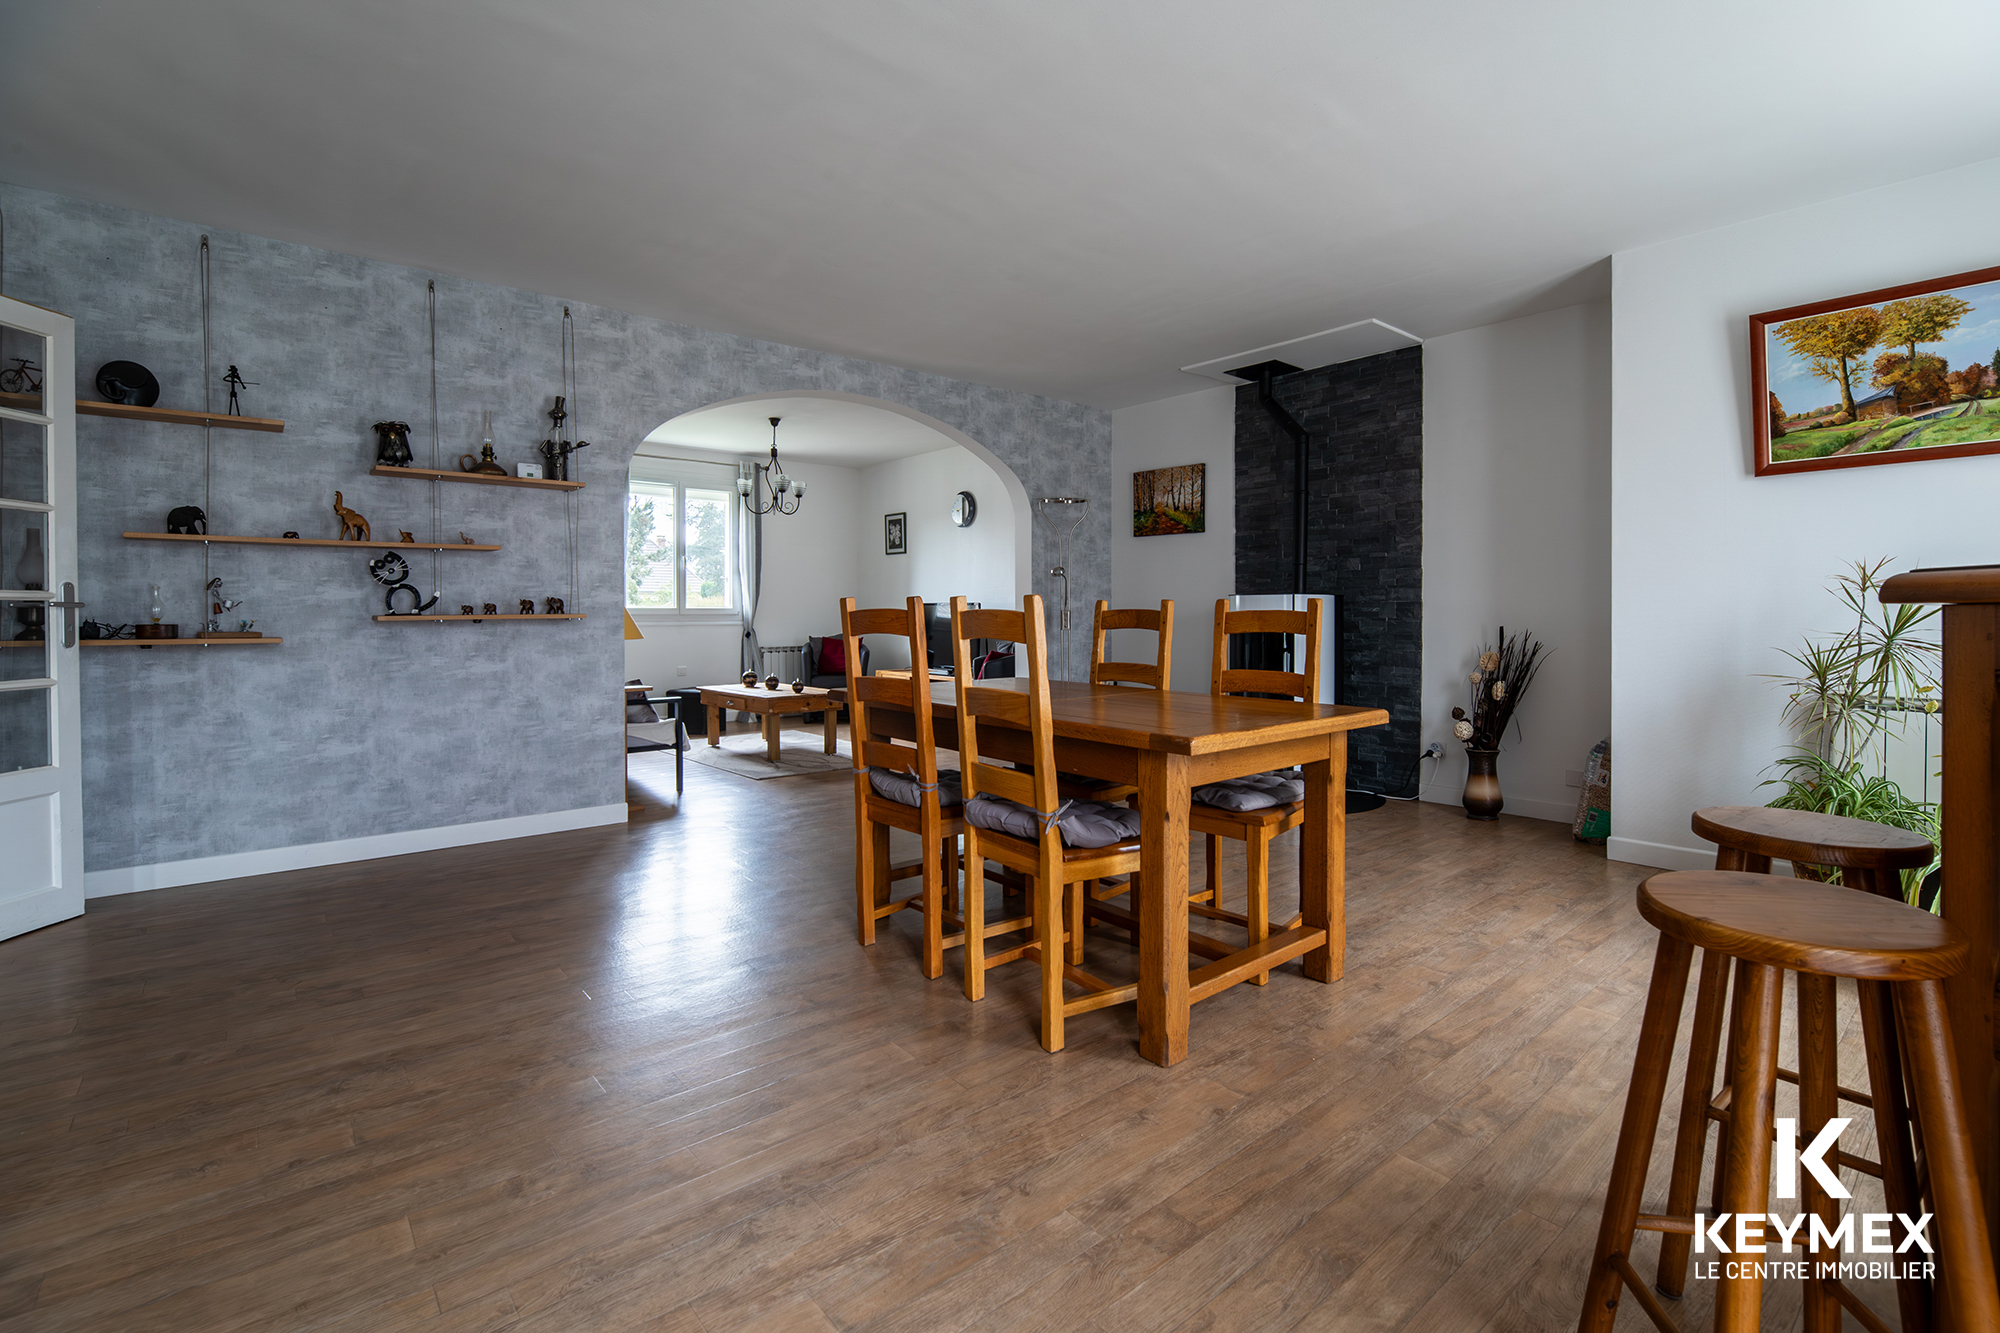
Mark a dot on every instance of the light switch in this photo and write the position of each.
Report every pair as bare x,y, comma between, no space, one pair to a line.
680,671
1572,777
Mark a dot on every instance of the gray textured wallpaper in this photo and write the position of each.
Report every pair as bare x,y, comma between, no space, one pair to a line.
354,728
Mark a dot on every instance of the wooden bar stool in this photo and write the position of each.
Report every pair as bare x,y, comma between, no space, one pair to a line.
1769,926
1748,837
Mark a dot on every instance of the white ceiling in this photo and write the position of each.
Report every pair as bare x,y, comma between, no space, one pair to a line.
1073,197
818,430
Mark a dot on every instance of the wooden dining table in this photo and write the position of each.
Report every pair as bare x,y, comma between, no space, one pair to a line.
1167,742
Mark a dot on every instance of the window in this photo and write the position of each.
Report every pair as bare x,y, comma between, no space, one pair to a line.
680,544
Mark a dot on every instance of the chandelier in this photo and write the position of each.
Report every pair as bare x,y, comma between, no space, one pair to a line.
756,480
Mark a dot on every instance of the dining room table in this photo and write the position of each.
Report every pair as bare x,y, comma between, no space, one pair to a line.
1166,743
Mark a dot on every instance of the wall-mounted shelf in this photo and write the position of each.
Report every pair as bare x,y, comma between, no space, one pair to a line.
32,402
181,643
306,541
476,478
439,620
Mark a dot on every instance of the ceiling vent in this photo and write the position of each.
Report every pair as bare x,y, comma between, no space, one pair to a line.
1349,342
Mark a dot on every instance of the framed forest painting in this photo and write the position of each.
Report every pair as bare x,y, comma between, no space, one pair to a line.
1167,500
1891,376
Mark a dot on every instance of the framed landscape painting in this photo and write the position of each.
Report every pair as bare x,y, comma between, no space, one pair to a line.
1890,376
1167,500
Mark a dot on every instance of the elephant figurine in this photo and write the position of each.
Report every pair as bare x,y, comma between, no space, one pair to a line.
187,521
527,606
489,609
466,609
553,606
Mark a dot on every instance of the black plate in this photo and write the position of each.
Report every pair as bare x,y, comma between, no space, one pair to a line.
127,382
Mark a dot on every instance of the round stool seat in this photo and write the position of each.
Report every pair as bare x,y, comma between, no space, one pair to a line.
1812,837
1802,926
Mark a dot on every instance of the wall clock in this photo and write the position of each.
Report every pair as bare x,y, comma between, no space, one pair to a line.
964,509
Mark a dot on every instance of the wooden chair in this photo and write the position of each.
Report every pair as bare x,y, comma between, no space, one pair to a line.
1253,828
936,824
1057,871
1154,675
1768,926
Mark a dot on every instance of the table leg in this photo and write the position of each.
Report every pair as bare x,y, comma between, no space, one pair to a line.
831,720
1162,890
1323,860
716,712
771,721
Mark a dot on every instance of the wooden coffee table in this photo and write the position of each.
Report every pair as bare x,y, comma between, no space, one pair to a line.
771,707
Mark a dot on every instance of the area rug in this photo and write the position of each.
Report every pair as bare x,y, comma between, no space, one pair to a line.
800,751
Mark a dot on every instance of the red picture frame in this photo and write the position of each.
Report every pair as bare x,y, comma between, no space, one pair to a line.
1771,462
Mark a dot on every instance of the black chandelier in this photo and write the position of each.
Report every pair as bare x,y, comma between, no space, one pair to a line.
755,480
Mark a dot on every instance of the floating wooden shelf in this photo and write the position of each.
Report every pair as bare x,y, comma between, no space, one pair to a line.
32,402
439,620
306,541
181,643
476,478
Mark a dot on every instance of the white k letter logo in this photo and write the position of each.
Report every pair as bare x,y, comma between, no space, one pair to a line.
1813,1159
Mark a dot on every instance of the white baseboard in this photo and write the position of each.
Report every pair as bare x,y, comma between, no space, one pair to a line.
270,860
1556,812
1660,855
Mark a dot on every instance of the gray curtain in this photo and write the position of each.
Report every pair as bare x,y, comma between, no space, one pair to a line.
749,581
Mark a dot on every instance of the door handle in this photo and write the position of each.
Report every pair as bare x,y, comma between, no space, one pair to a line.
69,606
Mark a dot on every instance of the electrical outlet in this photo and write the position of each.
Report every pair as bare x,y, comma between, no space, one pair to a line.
1435,750
680,671
1572,777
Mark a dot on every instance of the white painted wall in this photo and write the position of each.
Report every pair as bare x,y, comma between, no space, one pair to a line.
944,561
1712,567
1192,568
1517,530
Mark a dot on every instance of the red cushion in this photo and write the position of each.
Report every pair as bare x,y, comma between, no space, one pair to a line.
833,657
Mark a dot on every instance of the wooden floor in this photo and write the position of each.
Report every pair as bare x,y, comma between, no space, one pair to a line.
644,1078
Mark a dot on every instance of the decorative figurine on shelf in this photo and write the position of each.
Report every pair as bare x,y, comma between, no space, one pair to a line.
465,609
489,609
392,447
350,522
552,606
798,687
218,603
464,540
391,569
154,609
127,382
187,521
485,465
234,379
407,538
291,536
771,682
527,606
749,680
558,448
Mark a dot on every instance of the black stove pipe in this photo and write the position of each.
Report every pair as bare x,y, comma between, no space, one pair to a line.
1261,375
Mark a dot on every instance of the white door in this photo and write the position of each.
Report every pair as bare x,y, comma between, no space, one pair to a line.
41,755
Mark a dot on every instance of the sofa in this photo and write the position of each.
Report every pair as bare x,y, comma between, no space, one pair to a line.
835,680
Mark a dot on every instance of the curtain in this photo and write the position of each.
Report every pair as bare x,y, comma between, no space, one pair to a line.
749,581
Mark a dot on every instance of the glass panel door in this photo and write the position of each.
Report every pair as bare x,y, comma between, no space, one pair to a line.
41,761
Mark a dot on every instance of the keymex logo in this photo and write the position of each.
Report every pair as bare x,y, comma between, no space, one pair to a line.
1865,1233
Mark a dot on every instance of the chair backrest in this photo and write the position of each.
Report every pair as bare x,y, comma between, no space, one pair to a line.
1222,680
1024,709
912,691
1156,674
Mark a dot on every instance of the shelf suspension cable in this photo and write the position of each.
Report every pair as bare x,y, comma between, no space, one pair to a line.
431,301
207,433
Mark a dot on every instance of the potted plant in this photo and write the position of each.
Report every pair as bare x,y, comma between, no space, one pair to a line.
1499,683
1846,695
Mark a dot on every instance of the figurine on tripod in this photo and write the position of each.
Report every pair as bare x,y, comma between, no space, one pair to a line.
234,379
558,449
219,603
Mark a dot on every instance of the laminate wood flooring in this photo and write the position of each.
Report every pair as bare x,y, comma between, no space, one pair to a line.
643,1078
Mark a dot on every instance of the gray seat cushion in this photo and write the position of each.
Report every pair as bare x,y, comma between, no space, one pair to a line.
1259,791
636,707
1081,823
904,788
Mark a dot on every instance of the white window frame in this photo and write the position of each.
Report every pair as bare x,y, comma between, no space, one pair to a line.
683,476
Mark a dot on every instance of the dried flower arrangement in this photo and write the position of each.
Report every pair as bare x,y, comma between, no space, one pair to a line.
1498,685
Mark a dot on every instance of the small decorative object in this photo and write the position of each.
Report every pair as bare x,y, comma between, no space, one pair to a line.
485,463
964,509
895,534
98,629
127,382
392,444
527,606
528,471
553,606
391,569
1499,683
771,682
234,379
464,540
489,609
749,680
798,687
465,609
417,603
350,522
218,603
291,536
187,521
407,538
154,609
21,377
1894,402
156,631
1169,500
559,446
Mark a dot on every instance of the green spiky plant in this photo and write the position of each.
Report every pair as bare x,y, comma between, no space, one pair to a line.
1841,698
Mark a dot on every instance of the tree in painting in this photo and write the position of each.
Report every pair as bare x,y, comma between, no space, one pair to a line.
1833,345
1167,500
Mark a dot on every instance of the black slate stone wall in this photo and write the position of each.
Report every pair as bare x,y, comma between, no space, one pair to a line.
1364,533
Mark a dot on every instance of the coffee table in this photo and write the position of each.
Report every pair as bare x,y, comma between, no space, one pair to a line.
771,707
